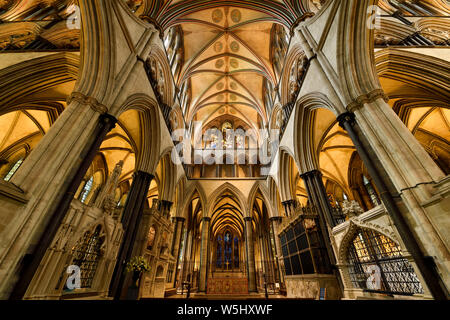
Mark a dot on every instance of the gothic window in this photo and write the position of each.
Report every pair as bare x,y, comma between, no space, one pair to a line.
86,255
228,138
86,189
227,251
13,170
214,138
377,263
371,192
240,138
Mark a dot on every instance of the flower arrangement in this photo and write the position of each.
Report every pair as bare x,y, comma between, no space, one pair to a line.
137,264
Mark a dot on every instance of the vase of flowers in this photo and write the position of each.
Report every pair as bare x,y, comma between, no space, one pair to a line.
137,265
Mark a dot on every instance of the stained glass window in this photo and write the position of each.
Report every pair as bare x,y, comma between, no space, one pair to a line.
227,251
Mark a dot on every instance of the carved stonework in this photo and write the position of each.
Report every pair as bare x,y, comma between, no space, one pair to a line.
297,71
106,198
62,37
351,209
382,39
354,224
18,35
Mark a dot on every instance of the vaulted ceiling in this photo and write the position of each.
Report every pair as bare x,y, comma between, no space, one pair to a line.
227,47
227,57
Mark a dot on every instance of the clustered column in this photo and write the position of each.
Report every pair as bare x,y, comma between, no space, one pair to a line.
425,264
204,254
289,207
131,219
179,224
275,221
105,124
250,247
318,196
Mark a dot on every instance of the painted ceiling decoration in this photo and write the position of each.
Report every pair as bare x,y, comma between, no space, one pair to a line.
225,55
167,13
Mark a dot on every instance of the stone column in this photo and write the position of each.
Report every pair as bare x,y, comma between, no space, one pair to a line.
424,263
269,255
204,254
179,224
274,221
317,195
250,248
164,207
289,207
186,252
131,219
105,124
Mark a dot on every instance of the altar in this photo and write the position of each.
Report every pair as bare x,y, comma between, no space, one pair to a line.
228,285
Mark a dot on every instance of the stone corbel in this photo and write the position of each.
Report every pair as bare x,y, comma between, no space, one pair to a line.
154,23
90,101
367,98
299,20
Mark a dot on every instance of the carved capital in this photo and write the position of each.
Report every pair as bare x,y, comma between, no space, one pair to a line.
367,98
91,102
276,219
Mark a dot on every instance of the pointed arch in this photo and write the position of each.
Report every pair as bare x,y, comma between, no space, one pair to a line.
262,189
227,187
147,157
286,172
192,188
304,118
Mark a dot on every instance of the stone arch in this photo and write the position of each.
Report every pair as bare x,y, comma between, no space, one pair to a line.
276,116
303,120
273,192
258,186
285,178
147,158
422,71
36,75
189,192
353,226
355,51
224,188
168,178
293,55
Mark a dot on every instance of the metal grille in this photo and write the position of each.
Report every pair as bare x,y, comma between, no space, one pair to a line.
86,256
377,264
